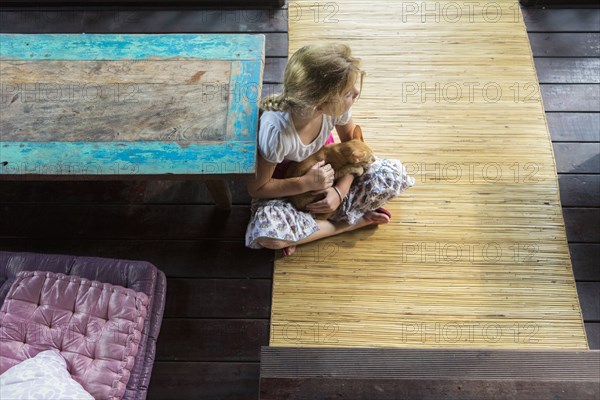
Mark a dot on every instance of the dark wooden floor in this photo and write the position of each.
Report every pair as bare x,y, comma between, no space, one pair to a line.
218,302
566,49
219,293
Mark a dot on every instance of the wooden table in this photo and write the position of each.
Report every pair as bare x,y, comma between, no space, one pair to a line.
106,106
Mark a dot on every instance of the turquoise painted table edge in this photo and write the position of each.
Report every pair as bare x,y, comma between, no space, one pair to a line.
141,160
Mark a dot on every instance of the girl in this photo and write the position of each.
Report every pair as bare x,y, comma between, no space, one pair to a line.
319,89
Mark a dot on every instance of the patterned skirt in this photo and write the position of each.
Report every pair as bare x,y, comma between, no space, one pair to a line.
279,219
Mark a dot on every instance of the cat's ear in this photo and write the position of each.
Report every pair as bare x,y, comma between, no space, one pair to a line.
358,155
357,134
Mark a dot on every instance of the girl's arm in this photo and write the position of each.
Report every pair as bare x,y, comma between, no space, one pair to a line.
264,187
332,201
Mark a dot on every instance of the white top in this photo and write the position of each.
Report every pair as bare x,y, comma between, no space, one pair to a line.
278,139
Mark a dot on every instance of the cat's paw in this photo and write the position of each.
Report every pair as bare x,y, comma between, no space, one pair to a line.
358,171
349,170
324,217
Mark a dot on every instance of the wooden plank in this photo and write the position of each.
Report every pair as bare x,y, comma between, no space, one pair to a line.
189,191
565,44
538,19
125,101
274,68
582,224
194,72
568,70
142,20
218,298
130,47
593,334
270,89
198,258
126,160
586,261
220,193
107,192
574,127
579,190
576,98
233,19
181,3
591,4
589,300
212,339
476,364
204,380
276,45
118,192
305,373
96,221
243,94
577,157
420,389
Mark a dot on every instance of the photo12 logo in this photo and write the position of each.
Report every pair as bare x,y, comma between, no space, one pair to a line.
68,169
459,11
235,93
469,92
324,12
308,333
474,172
320,252
68,93
470,253
68,332
468,332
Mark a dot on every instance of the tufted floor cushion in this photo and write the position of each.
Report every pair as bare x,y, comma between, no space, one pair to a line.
140,276
96,327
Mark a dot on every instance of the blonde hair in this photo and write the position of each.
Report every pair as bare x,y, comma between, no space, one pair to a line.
315,75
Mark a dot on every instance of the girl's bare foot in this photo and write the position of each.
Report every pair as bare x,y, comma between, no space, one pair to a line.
288,251
375,217
327,228
379,216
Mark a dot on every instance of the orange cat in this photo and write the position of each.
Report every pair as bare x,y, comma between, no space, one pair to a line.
351,157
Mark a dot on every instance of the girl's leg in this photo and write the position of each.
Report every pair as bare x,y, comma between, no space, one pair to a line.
384,180
326,229
275,221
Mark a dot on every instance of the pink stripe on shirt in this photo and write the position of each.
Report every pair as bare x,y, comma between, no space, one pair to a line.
280,169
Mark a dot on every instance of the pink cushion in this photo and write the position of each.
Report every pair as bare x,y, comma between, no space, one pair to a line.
95,326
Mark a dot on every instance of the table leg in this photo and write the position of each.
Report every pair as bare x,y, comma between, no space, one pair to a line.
220,193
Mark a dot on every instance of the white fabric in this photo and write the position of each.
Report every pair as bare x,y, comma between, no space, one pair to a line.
44,376
278,139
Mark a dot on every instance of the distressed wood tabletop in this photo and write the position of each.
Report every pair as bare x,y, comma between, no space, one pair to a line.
129,105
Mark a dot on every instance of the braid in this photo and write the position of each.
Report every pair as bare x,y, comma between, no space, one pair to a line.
277,102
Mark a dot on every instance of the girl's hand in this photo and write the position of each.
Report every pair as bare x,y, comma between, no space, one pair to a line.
329,204
319,176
